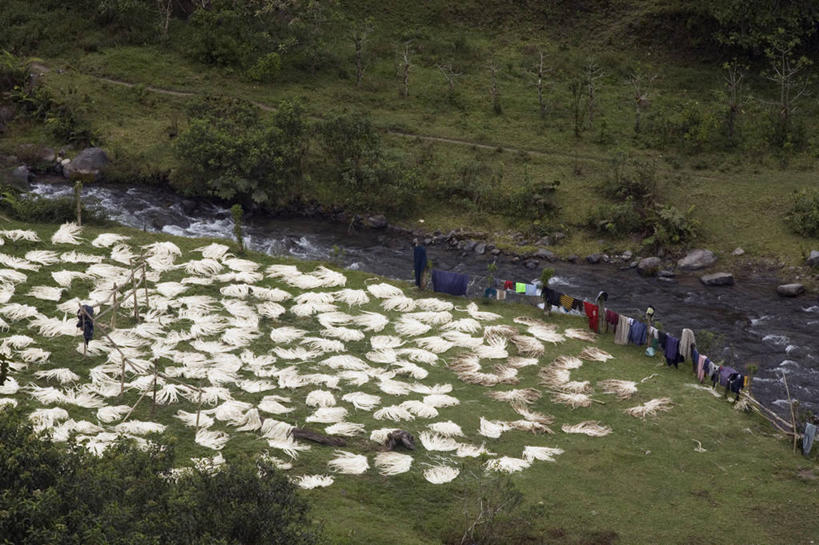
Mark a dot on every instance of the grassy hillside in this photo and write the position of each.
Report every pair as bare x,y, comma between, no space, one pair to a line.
648,481
737,189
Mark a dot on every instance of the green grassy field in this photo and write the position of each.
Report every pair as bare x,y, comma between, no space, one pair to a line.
642,483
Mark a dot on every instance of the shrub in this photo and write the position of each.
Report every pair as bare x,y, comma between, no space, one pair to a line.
34,208
803,216
266,69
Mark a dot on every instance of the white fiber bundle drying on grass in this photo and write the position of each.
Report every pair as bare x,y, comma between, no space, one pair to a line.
436,442
282,271
392,463
171,289
441,400
34,355
519,363
434,305
189,419
240,265
42,257
303,310
47,396
409,327
528,346
9,387
650,408
577,387
492,428
581,335
169,393
43,419
589,427
251,421
393,412
554,377
138,427
592,353
380,342
211,439
203,267
213,251
122,253
462,340
62,375
329,278
418,355
419,408
297,353
472,310
10,276
235,290
447,428
351,298
270,309
18,263
546,333
380,435
160,256
323,345
507,464
371,321
303,282
348,463
544,454
106,240
345,361
361,400
345,334
466,450
464,325
286,334
16,235
436,345
308,482
345,429
431,317
384,290
17,342
16,312
572,400
407,368
440,474
320,398
525,396
495,349
328,415
567,362
272,405
623,389
68,233
530,426
267,294
334,318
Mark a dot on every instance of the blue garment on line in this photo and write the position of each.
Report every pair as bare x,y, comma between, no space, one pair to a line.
807,440
637,333
531,289
695,357
419,260
672,351
449,282
86,323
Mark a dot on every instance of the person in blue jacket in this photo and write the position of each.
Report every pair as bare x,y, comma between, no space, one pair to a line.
419,260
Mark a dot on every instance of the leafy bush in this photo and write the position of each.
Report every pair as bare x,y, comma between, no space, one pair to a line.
229,152
803,216
266,69
660,225
631,179
40,209
532,200
54,493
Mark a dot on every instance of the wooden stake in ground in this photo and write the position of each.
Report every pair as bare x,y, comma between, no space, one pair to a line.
793,416
114,308
145,285
78,200
198,408
134,287
153,401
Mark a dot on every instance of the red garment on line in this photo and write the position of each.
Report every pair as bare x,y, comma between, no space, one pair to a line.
509,285
593,312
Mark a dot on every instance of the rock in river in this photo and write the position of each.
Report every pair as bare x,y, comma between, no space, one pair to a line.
718,279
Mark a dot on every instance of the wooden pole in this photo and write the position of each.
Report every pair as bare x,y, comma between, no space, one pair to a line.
122,376
793,416
145,285
114,309
198,409
153,401
134,287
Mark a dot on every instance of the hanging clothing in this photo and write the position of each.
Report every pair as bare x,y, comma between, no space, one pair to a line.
807,439
577,305
85,321
672,351
566,302
735,381
520,287
701,368
637,333
419,262
501,295
509,285
695,357
621,334
531,289
490,293
686,343
551,297
449,282
593,313
611,320
662,337
725,373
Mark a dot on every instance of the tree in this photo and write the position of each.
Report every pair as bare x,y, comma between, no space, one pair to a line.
494,92
237,213
450,75
539,84
734,75
592,74
404,70
576,92
787,72
641,85
359,31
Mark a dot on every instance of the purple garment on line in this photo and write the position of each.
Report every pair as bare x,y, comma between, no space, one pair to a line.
724,373
449,282
672,350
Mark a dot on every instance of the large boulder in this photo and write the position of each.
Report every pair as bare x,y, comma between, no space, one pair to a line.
649,266
543,253
379,221
718,279
696,260
790,290
594,259
19,178
813,258
88,162
480,248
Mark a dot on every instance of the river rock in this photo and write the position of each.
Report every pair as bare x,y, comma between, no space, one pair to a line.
790,290
379,221
594,259
666,274
648,266
696,260
813,258
544,241
627,255
573,258
88,162
718,279
480,248
738,252
531,264
543,253
19,178
558,237
469,245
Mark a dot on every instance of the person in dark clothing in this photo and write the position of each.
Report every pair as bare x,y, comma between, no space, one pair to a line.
85,321
419,260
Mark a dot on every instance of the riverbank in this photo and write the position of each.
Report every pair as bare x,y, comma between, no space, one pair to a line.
722,465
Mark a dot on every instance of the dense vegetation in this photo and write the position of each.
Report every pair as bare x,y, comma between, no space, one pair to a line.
52,493
707,91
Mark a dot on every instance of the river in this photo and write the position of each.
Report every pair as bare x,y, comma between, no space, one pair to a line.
754,323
